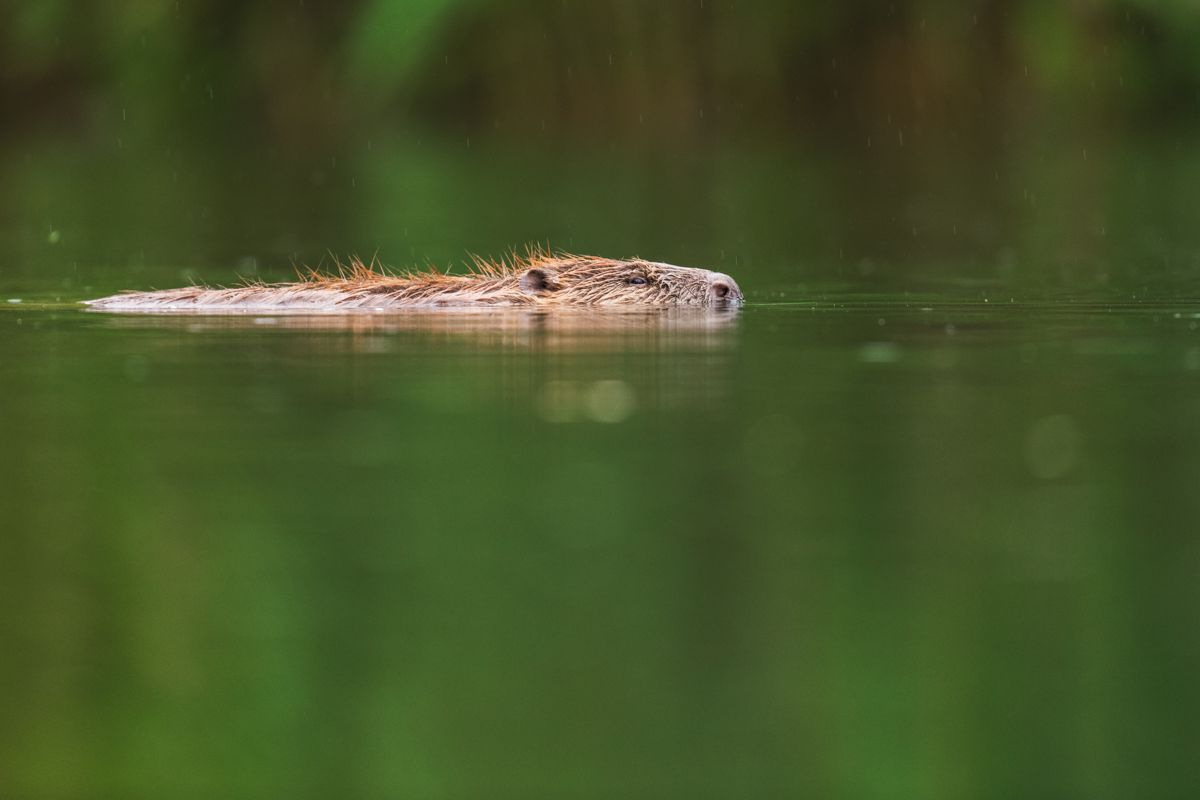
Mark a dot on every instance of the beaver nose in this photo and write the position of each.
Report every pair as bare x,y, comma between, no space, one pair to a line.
723,288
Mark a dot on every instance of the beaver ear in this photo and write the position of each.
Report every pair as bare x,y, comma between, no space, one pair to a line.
539,279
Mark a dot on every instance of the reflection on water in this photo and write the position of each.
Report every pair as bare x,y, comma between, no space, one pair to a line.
568,365
437,554
751,552
560,329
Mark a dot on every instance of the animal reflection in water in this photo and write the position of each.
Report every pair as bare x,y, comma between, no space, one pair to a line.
558,329
566,365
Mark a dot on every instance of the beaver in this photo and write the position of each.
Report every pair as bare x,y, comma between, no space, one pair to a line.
539,279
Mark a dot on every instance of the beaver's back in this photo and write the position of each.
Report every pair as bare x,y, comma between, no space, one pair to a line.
539,279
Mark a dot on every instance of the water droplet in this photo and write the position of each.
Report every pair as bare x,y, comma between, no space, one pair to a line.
609,401
880,353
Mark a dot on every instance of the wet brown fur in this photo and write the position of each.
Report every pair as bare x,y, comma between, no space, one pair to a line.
536,279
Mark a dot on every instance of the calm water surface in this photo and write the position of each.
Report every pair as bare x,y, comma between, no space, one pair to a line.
842,543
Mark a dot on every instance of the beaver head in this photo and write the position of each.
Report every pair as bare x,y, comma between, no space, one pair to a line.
605,282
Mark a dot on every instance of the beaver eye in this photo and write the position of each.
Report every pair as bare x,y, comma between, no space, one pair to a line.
638,281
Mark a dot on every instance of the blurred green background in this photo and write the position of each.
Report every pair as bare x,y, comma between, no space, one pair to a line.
1042,146
919,521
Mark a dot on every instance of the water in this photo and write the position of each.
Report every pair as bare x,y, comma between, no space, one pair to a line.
919,520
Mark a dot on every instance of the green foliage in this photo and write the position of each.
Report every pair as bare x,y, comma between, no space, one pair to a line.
305,74
389,39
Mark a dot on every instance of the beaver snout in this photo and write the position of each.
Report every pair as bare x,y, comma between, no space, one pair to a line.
723,289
